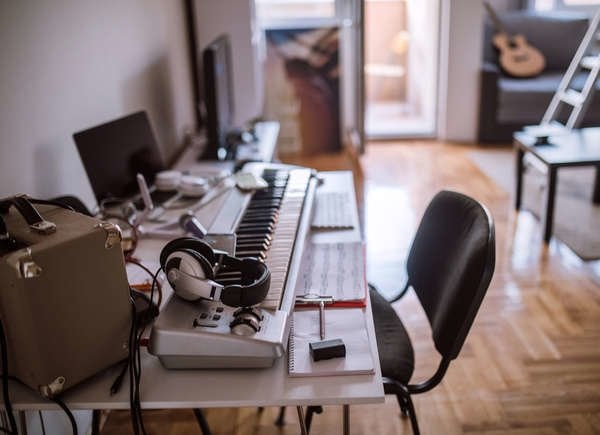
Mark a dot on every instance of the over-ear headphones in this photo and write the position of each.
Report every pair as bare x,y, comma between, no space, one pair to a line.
191,266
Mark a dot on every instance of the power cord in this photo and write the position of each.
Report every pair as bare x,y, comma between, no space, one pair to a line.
42,425
134,364
68,412
7,403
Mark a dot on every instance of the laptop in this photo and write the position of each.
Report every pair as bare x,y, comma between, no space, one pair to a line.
115,152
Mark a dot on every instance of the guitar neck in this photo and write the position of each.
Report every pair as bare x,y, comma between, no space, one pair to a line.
497,23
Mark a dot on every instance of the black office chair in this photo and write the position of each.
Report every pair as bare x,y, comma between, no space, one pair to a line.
450,266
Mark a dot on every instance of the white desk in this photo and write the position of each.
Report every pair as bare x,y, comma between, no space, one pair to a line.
263,149
162,388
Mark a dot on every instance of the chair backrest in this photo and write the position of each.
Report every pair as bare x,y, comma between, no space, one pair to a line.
450,266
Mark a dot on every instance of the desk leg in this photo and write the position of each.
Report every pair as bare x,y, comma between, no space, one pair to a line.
596,196
23,422
346,420
550,203
96,422
301,420
519,175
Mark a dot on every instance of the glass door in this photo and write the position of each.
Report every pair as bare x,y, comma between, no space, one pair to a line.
401,67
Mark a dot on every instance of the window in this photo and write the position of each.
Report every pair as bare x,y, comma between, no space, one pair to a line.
273,10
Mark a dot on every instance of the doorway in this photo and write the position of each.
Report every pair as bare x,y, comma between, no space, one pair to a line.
401,68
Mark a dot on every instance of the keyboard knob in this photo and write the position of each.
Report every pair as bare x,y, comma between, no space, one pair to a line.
249,311
245,325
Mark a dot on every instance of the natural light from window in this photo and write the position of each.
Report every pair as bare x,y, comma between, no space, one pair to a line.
271,10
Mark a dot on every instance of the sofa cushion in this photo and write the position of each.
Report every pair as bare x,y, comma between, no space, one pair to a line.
526,100
556,35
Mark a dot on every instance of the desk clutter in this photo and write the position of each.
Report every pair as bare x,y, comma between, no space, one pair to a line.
204,276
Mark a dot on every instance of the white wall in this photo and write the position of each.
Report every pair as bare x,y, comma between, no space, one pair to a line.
460,60
71,64
236,18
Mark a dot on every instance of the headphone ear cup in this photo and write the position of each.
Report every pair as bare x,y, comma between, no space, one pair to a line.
189,274
202,261
255,282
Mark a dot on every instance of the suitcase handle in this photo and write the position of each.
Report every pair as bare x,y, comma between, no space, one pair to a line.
33,218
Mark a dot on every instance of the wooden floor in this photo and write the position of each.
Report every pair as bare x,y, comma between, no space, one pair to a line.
531,364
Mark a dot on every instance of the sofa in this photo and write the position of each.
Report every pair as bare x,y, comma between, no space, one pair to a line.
507,103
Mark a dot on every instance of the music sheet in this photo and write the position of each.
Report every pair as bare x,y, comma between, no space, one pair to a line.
334,269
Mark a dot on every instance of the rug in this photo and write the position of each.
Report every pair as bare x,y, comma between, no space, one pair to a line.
576,218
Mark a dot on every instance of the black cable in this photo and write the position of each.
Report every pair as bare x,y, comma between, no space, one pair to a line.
116,385
55,400
42,425
5,377
68,412
135,371
138,374
7,404
154,276
134,420
158,286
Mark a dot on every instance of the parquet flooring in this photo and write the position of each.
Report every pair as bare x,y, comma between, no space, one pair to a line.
531,363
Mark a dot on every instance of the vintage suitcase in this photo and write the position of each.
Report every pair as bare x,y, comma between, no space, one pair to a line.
64,295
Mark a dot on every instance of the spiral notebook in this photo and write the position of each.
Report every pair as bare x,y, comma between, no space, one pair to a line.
347,324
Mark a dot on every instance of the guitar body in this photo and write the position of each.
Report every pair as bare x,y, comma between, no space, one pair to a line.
517,57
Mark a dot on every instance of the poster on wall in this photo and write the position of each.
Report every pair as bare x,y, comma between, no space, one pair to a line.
302,88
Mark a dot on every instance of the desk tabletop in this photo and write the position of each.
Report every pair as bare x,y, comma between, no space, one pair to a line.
163,388
575,148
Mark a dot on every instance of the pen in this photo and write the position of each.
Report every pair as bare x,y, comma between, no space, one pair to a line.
322,319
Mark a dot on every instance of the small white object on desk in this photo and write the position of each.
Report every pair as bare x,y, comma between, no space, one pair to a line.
193,186
167,180
249,181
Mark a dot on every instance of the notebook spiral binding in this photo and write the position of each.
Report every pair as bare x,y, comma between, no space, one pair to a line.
291,348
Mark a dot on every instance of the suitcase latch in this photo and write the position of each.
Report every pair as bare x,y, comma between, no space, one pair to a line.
43,227
27,267
113,234
53,388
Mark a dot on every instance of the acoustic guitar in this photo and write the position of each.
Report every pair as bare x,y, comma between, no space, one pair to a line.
517,57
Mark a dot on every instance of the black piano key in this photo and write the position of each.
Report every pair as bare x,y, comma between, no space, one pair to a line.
254,235
261,215
251,253
254,230
260,226
258,221
264,204
253,246
268,217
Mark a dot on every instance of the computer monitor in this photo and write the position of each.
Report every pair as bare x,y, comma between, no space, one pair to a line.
218,96
113,153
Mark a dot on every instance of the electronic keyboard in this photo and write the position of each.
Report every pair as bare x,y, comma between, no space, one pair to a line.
270,224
